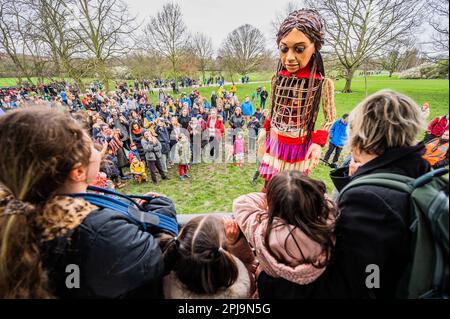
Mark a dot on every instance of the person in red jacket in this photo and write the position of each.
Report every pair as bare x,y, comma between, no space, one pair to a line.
215,130
436,128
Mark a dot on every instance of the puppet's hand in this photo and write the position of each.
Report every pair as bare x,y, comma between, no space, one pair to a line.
313,154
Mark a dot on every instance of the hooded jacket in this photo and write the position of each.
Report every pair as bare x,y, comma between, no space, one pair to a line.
252,217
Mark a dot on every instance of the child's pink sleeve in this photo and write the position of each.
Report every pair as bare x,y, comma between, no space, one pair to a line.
248,211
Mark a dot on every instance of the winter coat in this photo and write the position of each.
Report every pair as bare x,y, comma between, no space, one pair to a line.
241,289
182,153
236,122
110,167
436,152
238,147
117,124
138,168
372,229
438,126
247,109
163,138
219,128
184,121
251,214
264,94
152,151
136,138
253,129
213,100
115,256
338,133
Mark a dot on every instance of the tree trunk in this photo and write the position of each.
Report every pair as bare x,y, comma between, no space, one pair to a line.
390,74
174,70
348,81
103,74
366,87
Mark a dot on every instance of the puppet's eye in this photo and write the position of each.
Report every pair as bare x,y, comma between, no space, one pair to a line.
299,49
284,49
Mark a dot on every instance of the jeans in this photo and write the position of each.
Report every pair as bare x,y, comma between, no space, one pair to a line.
330,150
263,103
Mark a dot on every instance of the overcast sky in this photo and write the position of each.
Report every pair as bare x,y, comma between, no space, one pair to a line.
216,18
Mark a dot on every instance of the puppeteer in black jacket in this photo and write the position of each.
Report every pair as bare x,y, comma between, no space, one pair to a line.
115,256
370,230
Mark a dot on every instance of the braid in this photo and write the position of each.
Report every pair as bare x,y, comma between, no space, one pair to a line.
307,21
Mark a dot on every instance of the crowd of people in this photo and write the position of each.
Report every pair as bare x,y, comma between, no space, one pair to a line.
293,241
144,139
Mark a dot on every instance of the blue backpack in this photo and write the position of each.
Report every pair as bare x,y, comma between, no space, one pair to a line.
130,208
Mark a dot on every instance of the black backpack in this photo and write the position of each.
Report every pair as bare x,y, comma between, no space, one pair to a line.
427,273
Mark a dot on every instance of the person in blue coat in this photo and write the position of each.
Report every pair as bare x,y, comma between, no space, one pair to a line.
247,108
186,99
338,135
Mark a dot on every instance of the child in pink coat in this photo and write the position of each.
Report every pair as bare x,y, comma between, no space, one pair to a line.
239,149
291,227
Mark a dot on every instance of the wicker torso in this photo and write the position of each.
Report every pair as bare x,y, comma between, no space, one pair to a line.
294,113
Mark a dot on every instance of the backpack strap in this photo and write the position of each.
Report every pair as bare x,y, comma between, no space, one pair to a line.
394,181
132,210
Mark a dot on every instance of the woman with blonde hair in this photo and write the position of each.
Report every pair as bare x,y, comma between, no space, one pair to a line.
372,228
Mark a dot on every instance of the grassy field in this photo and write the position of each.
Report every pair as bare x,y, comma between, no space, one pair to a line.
213,187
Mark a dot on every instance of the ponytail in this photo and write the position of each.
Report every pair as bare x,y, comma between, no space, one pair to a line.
21,272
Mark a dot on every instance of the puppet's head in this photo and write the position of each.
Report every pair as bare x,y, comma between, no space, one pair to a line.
299,39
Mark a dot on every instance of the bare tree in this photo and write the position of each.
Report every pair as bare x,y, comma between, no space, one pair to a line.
105,28
203,50
146,64
53,25
243,50
166,33
439,23
360,30
397,56
29,55
281,15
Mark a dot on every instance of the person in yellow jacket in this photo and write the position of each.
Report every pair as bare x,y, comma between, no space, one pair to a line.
233,89
137,168
220,91
436,151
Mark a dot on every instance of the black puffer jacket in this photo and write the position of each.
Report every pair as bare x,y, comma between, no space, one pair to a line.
370,230
115,256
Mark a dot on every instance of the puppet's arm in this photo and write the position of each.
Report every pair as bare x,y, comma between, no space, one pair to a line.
329,113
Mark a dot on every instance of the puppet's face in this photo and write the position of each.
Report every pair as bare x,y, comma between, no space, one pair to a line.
295,50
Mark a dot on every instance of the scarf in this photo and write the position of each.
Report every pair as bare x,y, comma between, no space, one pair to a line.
55,218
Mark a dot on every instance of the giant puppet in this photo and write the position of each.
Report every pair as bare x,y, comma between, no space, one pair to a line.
297,89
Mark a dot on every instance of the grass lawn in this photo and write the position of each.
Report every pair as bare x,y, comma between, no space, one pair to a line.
213,187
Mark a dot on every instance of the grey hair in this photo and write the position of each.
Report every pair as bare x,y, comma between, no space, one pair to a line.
384,120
